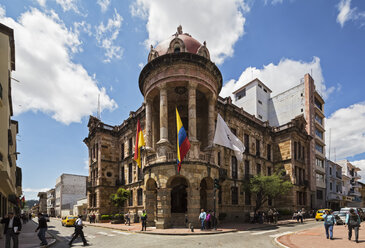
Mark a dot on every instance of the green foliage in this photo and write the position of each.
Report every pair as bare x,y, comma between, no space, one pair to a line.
106,217
266,187
119,198
118,216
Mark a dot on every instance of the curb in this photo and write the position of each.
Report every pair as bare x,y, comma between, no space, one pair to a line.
277,243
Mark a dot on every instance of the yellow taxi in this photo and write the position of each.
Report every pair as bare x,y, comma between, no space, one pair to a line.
320,213
69,220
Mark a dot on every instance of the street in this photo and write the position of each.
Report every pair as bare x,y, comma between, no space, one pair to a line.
102,237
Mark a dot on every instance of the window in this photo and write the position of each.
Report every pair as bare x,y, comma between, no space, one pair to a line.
234,167
318,119
319,148
247,169
122,152
330,170
219,158
177,50
265,90
318,103
247,142
319,133
234,131
319,194
257,148
258,169
319,162
108,174
259,101
130,170
140,173
234,195
220,196
247,197
260,116
331,186
241,94
260,85
269,171
130,147
130,201
139,197
122,176
268,152
319,177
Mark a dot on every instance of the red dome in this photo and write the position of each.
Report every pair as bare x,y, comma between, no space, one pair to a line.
191,44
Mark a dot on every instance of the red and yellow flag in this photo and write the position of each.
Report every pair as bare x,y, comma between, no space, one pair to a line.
139,144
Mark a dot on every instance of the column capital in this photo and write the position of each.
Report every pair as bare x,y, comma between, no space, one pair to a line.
148,100
192,85
211,98
162,86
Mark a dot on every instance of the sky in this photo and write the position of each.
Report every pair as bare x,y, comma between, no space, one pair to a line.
68,52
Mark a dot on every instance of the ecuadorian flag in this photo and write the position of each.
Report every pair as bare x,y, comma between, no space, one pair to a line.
183,144
139,144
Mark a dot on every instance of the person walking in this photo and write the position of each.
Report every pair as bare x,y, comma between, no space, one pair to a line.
78,231
275,216
13,226
329,222
144,219
208,219
127,219
42,227
353,222
202,218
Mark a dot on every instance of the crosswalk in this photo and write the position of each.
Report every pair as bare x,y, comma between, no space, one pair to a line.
255,233
107,234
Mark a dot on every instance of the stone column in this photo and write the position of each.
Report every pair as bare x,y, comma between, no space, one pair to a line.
211,119
163,208
194,205
148,103
163,114
194,150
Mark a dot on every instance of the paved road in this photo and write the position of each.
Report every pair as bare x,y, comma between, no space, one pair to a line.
102,237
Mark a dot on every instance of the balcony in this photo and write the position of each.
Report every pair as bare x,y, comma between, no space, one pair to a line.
334,196
354,193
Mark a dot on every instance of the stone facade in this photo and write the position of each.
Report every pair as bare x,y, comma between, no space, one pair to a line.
180,75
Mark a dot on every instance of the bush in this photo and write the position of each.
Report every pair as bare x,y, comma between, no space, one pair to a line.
118,217
105,217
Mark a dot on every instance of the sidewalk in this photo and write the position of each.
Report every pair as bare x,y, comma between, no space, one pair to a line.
28,237
223,228
316,237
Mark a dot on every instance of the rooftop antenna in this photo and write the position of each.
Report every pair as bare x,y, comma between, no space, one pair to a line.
99,117
329,152
335,153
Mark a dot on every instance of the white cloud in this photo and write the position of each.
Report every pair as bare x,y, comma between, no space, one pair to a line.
82,26
347,130
104,4
106,36
68,5
35,190
86,164
50,81
205,20
42,3
346,13
285,75
140,65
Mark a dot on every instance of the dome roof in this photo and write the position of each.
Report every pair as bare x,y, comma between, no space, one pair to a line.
179,42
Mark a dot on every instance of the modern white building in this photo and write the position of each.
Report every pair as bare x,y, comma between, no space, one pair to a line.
69,189
51,202
303,99
352,186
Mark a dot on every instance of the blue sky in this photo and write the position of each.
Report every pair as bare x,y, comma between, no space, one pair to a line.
70,51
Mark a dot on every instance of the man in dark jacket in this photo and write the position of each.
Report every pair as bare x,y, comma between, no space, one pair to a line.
42,227
12,228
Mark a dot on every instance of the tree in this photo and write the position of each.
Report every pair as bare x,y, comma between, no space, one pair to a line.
119,198
268,187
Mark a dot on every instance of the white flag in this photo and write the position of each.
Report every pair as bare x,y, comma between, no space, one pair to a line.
224,137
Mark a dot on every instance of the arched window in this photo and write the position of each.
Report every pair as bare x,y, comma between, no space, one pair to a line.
177,50
234,167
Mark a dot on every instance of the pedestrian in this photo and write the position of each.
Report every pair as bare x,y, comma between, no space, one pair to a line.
13,226
30,216
127,218
300,216
202,218
270,214
329,222
252,217
275,216
208,219
42,227
144,219
353,222
78,231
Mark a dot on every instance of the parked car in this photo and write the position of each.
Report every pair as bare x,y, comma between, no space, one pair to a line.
341,218
69,220
321,212
359,211
46,216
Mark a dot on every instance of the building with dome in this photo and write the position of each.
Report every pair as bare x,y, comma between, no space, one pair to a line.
179,74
